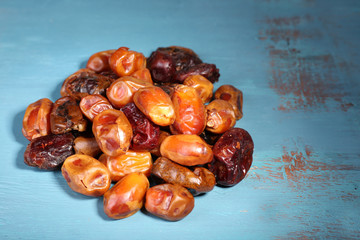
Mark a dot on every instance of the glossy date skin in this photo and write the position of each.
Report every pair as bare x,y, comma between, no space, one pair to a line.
86,175
125,62
36,121
112,131
169,201
84,82
232,95
145,133
202,86
94,104
66,116
50,151
87,146
233,156
200,180
220,116
126,197
99,62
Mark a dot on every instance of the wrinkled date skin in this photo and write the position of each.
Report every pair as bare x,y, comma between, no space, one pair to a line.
156,151
36,121
124,62
86,175
99,62
126,197
67,116
168,201
190,115
87,146
232,157
155,104
84,82
174,64
233,95
112,131
187,150
143,74
92,105
129,162
198,181
145,133
203,86
50,151
122,90
220,116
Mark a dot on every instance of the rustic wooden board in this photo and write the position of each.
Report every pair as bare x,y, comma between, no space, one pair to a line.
297,62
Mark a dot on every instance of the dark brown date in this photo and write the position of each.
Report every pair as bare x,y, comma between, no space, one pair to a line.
66,116
50,151
84,82
232,157
198,181
209,71
145,133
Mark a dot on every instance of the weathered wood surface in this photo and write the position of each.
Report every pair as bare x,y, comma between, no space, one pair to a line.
297,62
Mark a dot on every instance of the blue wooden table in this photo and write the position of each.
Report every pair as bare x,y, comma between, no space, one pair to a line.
297,63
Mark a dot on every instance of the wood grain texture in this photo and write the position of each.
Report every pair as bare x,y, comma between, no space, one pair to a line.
297,63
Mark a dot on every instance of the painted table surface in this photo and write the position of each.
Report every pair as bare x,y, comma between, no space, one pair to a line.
297,63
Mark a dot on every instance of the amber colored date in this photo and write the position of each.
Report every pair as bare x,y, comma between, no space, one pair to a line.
99,62
168,201
143,74
129,162
112,131
36,121
187,150
232,157
92,105
203,86
125,62
66,116
126,197
50,151
190,115
122,90
220,116
200,180
86,175
87,146
84,82
156,105
233,95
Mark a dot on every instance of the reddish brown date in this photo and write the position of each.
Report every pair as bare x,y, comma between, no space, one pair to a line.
187,150
125,62
220,116
145,133
99,62
126,197
112,131
233,95
67,116
92,105
168,201
190,115
232,157
86,175
50,151
36,121
84,82
198,181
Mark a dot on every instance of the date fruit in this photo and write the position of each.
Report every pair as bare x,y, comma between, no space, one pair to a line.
168,201
124,62
87,146
156,105
86,175
129,162
50,151
233,95
84,82
198,181
203,86
187,150
36,121
145,133
94,104
126,197
99,62
66,116
143,74
220,116
232,157
112,131
209,71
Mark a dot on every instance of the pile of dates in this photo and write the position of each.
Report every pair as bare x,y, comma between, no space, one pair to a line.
141,132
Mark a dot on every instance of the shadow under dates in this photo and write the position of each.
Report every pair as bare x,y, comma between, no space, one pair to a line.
19,137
